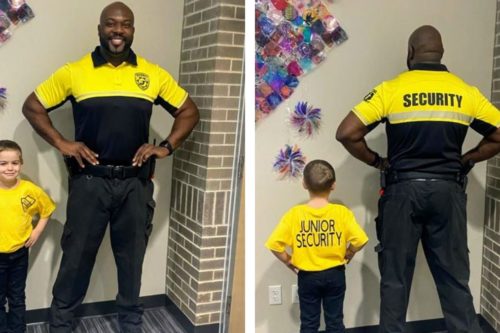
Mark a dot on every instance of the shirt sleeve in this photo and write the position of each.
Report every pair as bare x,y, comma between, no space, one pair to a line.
56,89
371,109
45,204
281,237
171,96
355,234
486,117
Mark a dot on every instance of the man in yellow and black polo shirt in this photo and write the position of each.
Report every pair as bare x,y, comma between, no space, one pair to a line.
112,91
427,111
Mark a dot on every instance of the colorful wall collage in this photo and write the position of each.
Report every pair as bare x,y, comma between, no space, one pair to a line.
292,38
13,13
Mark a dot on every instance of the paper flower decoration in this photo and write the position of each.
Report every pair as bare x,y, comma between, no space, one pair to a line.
305,119
290,162
292,37
3,97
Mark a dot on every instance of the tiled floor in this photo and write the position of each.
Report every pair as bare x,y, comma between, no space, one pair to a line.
155,320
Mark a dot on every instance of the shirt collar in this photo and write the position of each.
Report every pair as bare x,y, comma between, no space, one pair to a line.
99,60
429,67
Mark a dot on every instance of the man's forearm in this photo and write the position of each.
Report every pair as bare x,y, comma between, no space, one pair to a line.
351,133
487,148
186,119
39,119
359,149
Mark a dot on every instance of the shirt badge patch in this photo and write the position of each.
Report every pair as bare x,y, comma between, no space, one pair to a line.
27,202
370,95
142,80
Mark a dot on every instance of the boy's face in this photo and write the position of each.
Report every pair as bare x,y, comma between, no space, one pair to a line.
10,166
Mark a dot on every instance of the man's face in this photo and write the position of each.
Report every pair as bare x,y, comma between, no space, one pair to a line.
116,31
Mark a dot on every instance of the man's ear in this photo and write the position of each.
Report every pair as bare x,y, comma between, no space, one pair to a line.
411,52
304,185
333,186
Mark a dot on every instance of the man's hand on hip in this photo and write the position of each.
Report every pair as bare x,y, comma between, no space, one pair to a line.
79,151
146,151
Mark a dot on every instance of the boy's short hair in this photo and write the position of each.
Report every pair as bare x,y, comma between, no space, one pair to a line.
11,145
319,176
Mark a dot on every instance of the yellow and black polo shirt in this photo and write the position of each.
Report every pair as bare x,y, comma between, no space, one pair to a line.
112,106
427,111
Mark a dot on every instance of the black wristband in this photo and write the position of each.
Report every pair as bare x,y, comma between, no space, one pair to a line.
165,143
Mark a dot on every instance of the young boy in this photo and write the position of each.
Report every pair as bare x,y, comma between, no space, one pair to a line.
323,238
20,200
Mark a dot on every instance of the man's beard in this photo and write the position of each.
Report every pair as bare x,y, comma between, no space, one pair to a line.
105,43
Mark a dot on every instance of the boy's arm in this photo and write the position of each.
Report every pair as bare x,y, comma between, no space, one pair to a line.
37,231
285,258
351,251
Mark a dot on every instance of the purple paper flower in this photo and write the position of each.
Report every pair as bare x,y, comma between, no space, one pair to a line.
3,97
290,162
306,119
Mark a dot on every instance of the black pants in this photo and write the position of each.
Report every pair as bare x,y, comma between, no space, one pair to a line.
327,287
93,202
13,274
434,212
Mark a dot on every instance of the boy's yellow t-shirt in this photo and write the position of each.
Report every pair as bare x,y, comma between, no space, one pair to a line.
318,237
18,206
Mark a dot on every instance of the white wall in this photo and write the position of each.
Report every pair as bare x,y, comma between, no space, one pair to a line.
64,31
376,50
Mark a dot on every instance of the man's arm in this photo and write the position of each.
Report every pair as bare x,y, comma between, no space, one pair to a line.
186,118
488,147
39,119
351,133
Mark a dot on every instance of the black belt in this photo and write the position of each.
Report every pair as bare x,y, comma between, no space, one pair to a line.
396,177
112,171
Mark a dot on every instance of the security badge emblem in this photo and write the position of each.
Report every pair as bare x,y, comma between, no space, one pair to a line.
27,202
142,80
370,95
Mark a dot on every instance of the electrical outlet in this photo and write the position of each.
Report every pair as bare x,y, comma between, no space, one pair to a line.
275,294
295,294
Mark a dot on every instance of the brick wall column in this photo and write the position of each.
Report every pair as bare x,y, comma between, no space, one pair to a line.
211,70
490,279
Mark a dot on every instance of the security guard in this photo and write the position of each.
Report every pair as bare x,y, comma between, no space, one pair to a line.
112,91
427,111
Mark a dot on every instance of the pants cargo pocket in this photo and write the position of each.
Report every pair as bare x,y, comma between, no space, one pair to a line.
379,248
151,205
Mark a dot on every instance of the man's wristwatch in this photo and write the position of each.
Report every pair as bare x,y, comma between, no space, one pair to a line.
165,143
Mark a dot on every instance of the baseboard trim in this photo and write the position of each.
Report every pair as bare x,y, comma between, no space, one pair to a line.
421,326
108,307
485,325
186,323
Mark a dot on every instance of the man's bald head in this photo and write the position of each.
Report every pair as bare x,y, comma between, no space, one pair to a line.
116,7
425,46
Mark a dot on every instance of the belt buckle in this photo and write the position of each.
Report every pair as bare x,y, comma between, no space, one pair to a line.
117,171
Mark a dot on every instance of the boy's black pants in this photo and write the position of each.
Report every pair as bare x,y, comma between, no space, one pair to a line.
327,287
13,274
